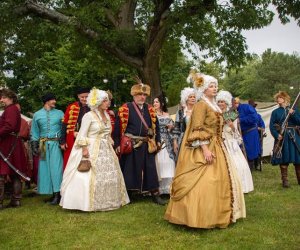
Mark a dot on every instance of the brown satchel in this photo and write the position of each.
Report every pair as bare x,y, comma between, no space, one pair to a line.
152,147
84,165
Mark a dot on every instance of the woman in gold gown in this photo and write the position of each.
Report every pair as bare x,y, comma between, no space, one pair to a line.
206,191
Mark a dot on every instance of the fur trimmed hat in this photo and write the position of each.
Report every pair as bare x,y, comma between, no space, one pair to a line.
225,96
284,95
140,87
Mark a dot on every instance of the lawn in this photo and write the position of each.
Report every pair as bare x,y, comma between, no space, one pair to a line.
273,221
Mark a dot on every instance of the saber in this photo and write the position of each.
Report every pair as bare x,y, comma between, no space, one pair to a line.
14,168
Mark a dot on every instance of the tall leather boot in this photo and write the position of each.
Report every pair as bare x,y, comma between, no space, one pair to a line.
56,199
157,199
297,170
1,191
16,196
284,176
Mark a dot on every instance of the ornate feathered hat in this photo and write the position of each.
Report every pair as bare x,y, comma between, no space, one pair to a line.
140,87
200,82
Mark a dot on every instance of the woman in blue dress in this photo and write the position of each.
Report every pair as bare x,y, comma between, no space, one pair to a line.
290,152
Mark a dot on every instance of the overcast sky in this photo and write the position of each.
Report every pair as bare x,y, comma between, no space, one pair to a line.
276,36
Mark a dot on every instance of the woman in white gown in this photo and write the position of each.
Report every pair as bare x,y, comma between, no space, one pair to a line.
102,188
233,139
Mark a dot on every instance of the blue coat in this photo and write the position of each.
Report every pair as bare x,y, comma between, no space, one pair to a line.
249,122
290,154
47,124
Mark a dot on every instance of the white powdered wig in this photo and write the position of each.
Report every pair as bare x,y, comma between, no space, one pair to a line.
184,95
201,82
225,96
96,97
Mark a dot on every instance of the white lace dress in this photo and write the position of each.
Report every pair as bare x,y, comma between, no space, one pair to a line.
102,188
237,158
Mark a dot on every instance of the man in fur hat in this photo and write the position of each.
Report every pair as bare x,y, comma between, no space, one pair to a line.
138,121
45,136
72,121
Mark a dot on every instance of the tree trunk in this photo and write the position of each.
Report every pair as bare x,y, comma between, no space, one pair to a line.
150,74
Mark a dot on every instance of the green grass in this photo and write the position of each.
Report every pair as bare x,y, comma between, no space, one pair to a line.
273,221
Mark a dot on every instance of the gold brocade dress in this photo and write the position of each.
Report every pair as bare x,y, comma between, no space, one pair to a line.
205,195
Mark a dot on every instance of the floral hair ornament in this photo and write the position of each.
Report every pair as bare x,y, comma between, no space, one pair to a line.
96,97
195,78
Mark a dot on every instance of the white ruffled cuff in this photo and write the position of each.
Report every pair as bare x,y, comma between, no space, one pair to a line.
198,143
82,142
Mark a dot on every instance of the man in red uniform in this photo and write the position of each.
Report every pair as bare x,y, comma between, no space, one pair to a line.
72,121
11,146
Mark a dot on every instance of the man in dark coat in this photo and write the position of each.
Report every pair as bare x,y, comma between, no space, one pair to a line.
11,146
138,167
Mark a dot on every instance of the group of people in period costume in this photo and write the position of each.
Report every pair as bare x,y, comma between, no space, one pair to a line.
197,159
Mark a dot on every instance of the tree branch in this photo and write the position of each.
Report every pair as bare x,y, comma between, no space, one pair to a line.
157,26
54,16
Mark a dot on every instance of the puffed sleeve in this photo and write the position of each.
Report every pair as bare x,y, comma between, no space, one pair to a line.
199,125
82,139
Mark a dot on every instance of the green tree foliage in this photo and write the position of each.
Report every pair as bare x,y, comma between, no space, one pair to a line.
263,76
132,34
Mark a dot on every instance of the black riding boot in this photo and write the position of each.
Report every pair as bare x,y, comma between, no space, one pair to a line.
16,196
1,191
56,199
